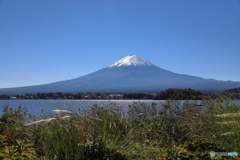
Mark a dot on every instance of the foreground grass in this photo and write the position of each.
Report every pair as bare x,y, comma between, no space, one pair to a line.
174,130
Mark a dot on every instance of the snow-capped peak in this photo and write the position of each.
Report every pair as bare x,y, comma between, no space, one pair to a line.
132,60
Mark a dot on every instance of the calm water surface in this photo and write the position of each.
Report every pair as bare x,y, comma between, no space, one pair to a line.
36,107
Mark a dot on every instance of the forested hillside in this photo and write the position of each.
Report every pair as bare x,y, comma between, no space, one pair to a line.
179,94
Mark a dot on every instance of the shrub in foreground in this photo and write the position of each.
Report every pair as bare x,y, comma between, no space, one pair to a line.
82,136
173,130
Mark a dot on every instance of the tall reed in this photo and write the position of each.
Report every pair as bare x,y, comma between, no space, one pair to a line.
98,134
223,123
140,132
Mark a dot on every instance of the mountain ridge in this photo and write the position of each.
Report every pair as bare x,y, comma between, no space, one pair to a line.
130,74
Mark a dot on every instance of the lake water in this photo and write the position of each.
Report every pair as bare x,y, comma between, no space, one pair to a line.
37,107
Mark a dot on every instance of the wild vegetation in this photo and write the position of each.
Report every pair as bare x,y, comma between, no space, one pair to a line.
173,130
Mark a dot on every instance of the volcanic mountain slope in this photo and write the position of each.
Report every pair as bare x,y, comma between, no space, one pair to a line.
130,74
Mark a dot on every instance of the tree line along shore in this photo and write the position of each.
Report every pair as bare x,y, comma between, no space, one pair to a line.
171,93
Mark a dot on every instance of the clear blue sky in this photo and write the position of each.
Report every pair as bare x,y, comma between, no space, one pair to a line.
43,41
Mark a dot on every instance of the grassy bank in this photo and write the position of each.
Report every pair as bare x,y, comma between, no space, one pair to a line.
170,131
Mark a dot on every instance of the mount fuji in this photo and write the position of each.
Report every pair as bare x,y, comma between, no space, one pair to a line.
130,74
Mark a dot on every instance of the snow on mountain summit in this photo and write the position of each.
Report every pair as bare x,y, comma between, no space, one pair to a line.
132,60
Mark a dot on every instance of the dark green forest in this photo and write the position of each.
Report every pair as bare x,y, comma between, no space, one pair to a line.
234,93
178,94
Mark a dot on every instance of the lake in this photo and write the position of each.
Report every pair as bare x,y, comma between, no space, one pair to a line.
37,107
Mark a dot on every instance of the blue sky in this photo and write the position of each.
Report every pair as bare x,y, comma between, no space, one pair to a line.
51,40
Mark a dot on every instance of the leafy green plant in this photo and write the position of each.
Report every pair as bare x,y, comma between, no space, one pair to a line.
19,151
197,150
12,124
